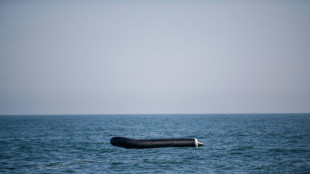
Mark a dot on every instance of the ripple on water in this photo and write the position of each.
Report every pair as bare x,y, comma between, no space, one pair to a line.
81,144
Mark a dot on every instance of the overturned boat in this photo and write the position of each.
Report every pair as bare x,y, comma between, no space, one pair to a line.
155,143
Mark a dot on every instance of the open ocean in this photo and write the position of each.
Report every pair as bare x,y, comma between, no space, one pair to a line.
235,143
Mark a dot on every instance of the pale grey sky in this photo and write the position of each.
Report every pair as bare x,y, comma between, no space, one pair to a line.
107,57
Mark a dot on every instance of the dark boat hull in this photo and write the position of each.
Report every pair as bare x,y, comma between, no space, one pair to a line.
154,143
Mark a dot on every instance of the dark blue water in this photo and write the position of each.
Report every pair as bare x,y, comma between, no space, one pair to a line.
235,143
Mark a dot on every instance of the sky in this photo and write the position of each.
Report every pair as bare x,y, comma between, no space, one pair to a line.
154,57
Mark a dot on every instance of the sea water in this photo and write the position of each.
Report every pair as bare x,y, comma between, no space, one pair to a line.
234,143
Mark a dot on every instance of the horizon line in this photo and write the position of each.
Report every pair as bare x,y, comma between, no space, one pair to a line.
250,113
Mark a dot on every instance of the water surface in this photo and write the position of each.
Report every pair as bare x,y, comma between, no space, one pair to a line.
235,143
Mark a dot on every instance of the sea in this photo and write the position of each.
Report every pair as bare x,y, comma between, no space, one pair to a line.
234,143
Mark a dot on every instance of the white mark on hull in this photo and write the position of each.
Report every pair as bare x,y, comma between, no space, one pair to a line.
196,142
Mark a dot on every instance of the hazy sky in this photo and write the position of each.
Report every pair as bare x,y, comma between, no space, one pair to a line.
110,57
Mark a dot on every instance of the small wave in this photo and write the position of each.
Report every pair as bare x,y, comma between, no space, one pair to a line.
289,150
243,148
